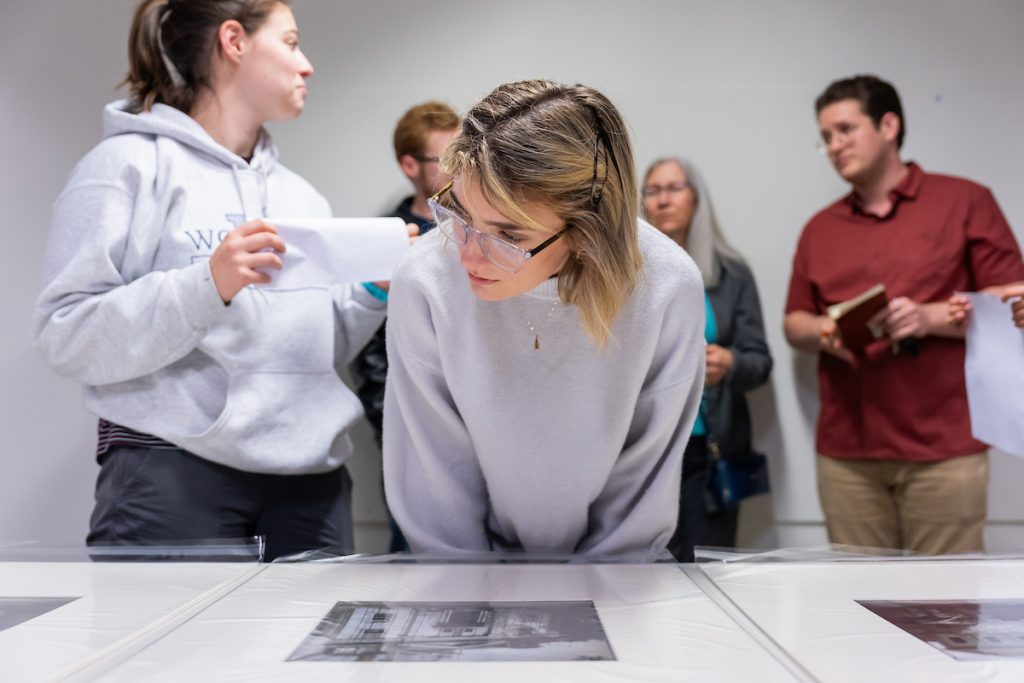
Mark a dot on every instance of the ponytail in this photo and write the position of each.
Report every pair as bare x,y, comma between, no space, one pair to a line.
152,75
171,45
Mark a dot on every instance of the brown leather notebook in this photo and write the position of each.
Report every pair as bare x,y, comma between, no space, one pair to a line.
852,317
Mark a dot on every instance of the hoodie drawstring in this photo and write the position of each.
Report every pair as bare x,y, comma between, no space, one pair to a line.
238,189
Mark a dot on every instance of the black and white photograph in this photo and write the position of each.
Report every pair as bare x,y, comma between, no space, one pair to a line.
457,631
963,629
14,611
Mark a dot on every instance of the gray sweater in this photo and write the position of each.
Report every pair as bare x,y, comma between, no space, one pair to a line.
130,310
491,444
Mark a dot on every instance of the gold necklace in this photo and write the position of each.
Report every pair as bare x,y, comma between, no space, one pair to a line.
536,329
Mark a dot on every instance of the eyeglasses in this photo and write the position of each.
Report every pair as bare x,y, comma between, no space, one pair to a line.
423,159
842,133
503,254
672,188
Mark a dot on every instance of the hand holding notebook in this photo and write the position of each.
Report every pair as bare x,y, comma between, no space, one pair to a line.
857,318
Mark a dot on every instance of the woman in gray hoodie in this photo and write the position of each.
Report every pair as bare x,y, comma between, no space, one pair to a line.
221,411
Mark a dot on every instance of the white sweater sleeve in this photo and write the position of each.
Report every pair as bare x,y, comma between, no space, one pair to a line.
640,500
432,478
358,315
94,325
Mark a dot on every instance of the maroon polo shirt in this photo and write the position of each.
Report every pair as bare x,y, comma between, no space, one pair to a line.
943,235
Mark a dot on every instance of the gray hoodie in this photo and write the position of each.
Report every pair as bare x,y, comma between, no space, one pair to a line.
129,307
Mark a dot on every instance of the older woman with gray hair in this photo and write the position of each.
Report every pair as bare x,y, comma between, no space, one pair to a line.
677,202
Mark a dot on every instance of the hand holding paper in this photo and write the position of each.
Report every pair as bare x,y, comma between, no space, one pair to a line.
243,256
414,234
327,251
959,306
1015,292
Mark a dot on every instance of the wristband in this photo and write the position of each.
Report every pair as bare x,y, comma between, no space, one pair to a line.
375,291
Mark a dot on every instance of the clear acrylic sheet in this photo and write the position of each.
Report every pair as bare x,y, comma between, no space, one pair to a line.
251,549
71,612
814,605
331,554
660,626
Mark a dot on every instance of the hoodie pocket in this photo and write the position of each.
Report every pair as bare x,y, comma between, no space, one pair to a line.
275,331
281,423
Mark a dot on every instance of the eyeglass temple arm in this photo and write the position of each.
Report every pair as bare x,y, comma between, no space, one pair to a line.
437,195
545,243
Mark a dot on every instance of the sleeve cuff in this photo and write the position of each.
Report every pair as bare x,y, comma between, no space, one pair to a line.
377,293
198,295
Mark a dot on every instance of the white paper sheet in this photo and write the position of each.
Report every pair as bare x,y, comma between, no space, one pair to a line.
995,374
325,251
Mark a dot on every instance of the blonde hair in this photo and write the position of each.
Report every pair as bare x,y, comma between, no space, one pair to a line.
705,242
565,147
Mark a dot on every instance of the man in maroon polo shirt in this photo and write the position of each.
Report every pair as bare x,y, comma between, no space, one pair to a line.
897,466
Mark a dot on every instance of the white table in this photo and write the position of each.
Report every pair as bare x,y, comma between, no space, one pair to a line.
732,621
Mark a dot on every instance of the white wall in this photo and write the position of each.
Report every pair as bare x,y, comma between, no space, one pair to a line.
730,84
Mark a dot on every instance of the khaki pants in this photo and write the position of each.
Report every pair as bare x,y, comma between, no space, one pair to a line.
931,508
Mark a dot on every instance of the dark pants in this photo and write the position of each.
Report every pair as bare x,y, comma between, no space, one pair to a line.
147,496
696,525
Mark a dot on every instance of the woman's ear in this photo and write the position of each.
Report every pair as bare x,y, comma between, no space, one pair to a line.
232,40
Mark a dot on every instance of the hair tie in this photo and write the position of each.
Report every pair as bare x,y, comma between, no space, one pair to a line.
172,71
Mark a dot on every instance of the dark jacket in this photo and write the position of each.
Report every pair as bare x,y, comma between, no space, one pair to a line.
370,367
741,330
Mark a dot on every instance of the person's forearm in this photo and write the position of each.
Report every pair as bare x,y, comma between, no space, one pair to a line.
803,330
937,321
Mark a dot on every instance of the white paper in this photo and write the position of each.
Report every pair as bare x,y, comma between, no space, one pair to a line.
325,251
995,374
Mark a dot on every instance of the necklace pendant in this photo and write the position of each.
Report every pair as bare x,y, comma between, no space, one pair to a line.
536,342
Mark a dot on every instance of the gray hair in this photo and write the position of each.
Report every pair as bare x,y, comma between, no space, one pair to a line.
705,242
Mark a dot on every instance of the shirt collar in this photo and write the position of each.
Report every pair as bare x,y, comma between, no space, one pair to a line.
908,188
